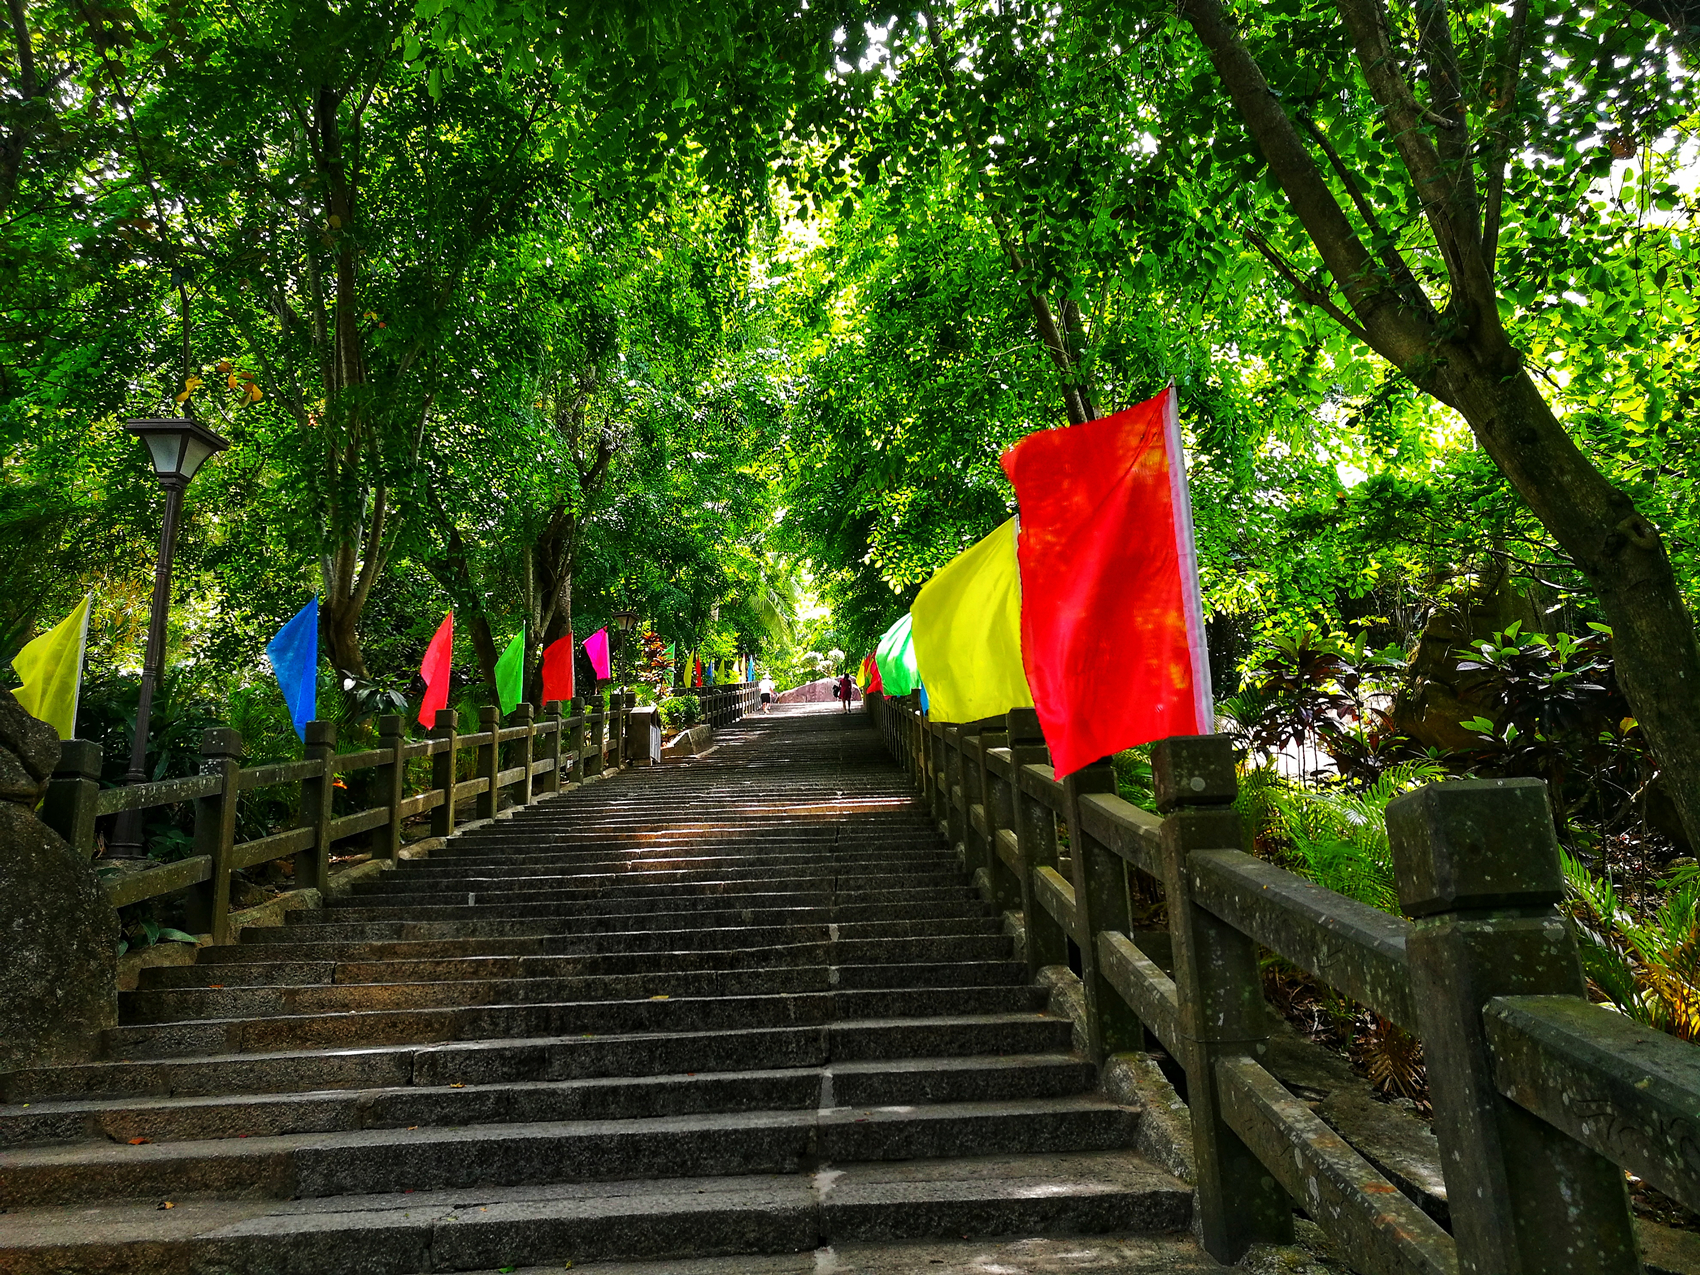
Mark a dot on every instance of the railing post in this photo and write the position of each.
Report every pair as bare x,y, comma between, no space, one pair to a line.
1036,834
575,738
1478,870
552,750
1000,815
443,771
386,837
68,807
316,792
1100,906
930,743
916,722
969,768
489,759
1220,994
527,748
617,728
593,764
215,834
953,785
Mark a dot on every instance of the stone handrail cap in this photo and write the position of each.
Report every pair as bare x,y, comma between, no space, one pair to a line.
1475,843
1193,770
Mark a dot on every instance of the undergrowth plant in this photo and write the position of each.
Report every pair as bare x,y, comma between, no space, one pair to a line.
1647,967
1334,835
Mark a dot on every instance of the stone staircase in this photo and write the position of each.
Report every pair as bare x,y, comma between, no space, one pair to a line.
742,1005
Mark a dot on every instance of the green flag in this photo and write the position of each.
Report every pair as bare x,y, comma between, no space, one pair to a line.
510,673
52,669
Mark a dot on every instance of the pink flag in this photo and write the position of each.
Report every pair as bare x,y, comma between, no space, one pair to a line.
435,670
596,646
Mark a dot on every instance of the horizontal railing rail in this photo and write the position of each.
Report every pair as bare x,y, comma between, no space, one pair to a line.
1541,1100
723,704
532,757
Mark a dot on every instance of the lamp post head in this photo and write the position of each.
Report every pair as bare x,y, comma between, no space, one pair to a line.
176,446
624,620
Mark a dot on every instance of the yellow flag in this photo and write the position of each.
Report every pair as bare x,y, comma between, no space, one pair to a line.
52,669
967,633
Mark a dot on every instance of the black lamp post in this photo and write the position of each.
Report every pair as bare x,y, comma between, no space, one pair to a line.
176,446
624,621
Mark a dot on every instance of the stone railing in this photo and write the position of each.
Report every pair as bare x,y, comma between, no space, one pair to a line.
533,756
725,704
1541,1100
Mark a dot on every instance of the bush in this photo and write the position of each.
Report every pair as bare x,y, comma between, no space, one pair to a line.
681,710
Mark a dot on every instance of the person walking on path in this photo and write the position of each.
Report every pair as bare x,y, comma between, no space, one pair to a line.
766,685
845,686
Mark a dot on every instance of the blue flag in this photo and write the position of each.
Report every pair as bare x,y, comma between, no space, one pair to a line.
294,654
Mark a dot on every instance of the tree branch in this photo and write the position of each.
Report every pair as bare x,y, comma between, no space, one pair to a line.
1389,325
1452,219
1307,291
1381,241
1504,131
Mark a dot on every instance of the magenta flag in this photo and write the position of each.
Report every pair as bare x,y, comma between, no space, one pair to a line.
596,646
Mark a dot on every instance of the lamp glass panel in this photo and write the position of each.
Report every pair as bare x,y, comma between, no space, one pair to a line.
164,451
194,452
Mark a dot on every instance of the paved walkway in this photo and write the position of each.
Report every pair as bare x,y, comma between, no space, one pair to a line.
741,1004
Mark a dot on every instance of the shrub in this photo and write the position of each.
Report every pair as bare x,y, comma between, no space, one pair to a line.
681,710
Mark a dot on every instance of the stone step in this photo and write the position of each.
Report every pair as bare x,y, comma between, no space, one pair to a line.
178,1004
635,899
867,1084
554,1058
470,1022
978,939
679,910
565,936
796,957
424,874
486,1229
644,883
713,1144
758,973
1162,1254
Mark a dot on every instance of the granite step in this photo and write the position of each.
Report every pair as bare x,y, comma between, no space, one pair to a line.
556,1058
908,968
470,1022
865,1084
744,1007
679,1217
323,997
382,1160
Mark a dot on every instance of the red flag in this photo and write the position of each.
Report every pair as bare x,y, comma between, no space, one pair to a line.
558,670
434,668
698,681
1112,633
872,684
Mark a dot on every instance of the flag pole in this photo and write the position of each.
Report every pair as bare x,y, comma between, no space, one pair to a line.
1186,550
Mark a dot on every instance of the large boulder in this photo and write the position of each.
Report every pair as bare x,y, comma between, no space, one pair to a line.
59,967
1437,696
816,692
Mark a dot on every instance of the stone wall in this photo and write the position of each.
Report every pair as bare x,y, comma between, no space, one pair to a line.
58,974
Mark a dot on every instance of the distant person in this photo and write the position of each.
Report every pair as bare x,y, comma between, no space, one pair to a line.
766,685
843,689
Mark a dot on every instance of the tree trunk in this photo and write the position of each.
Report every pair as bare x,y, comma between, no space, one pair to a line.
484,647
1613,545
342,643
